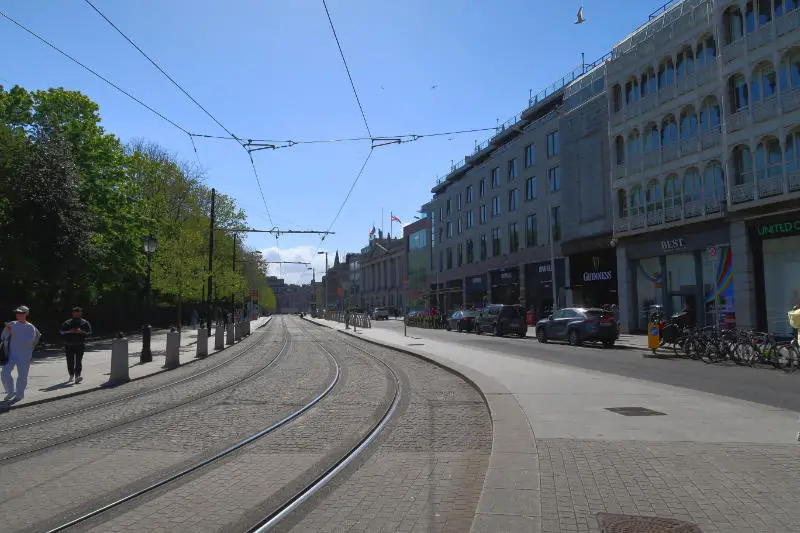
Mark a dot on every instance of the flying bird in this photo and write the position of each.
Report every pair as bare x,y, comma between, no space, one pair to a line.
580,20
433,87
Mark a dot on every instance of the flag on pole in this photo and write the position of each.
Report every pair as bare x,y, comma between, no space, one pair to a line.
372,232
395,219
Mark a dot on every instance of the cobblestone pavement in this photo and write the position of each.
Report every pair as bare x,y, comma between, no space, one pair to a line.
65,481
260,351
723,488
426,471
241,489
269,334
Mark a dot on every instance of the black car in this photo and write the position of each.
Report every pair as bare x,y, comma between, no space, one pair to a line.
502,319
461,321
577,324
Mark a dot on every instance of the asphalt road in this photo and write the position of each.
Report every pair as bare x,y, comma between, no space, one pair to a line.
761,385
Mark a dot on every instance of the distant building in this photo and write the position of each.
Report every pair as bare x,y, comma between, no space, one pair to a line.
417,261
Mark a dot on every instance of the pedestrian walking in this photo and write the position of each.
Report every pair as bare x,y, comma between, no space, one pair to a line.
20,338
75,331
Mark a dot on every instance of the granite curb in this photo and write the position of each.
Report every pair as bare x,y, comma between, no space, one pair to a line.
106,386
510,500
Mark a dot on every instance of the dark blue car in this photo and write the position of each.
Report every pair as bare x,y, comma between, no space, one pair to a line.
576,325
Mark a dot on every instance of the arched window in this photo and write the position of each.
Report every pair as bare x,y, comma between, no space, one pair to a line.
648,82
619,147
709,114
669,131
706,51
713,184
653,197
692,188
793,152
733,24
666,73
688,122
742,165
672,192
790,68
765,11
764,83
616,95
633,146
631,91
651,138
685,64
769,159
622,203
739,93
637,205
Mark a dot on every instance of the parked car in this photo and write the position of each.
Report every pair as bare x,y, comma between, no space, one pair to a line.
502,319
461,321
380,313
577,324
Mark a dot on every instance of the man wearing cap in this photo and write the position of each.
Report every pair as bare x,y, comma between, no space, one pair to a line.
75,330
21,337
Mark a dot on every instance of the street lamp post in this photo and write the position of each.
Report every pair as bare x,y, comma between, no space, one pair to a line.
150,245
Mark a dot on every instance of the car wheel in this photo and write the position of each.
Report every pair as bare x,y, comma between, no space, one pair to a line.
447,327
608,344
541,336
497,332
574,338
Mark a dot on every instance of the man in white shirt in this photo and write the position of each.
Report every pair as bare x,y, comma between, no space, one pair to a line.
21,337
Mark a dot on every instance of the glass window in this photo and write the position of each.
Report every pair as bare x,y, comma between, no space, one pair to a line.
497,242
530,188
531,231
496,206
530,156
460,225
555,219
689,123
513,238
648,284
482,188
552,144
469,194
449,257
512,169
483,247
470,251
483,214
495,177
469,219
781,281
554,179
718,288
682,281
512,199
459,254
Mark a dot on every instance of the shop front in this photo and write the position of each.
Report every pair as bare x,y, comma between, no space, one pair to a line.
539,286
679,270
475,290
593,278
775,243
454,294
505,285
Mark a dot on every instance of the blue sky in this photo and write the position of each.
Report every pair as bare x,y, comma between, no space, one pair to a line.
270,69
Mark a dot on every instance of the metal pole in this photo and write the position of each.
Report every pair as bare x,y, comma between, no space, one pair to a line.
552,257
233,291
211,260
326,282
146,355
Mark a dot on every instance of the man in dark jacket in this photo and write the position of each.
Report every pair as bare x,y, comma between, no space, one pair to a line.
74,331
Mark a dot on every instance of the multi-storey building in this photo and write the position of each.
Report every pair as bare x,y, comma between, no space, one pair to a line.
704,106
417,261
500,219
382,273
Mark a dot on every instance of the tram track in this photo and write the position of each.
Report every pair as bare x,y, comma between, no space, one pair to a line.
95,518
139,394
24,453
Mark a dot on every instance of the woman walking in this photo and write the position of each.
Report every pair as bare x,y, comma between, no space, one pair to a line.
20,337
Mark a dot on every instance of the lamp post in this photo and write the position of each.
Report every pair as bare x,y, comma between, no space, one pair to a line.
326,279
150,245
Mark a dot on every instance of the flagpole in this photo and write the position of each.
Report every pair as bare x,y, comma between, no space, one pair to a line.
382,221
391,222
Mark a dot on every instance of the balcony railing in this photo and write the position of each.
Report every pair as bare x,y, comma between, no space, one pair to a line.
669,152
655,217
706,74
738,120
742,193
692,209
790,101
765,110
759,38
733,50
771,186
714,205
794,181
788,23
690,145
710,138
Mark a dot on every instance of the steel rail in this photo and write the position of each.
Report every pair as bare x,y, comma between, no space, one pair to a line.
131,396
205,462
135,419
303,495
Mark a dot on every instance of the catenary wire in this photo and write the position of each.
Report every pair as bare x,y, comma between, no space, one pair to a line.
347,68
193,99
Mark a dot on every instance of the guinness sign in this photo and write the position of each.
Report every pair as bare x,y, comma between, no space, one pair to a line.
598,276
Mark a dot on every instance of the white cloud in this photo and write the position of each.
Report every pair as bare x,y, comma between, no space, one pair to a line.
297,274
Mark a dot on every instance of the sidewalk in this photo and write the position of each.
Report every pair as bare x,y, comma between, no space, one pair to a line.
722,464
47,379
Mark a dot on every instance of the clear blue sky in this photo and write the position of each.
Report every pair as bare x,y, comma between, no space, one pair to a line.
271,69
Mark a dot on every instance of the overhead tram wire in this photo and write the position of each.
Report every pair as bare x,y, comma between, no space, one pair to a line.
193,99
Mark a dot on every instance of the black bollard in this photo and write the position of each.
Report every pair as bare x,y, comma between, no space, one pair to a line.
147,355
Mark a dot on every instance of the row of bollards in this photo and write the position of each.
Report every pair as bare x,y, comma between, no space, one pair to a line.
223,334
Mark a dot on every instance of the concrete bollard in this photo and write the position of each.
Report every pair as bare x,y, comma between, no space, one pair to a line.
119,361
247,328
237,331
229,336
173,359
219,337
202,343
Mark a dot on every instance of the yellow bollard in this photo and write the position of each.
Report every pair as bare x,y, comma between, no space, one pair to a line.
653,336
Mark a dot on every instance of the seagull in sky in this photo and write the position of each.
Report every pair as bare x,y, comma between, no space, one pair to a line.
433,87
580,20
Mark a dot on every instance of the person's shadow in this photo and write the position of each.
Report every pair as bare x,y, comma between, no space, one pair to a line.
57,386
